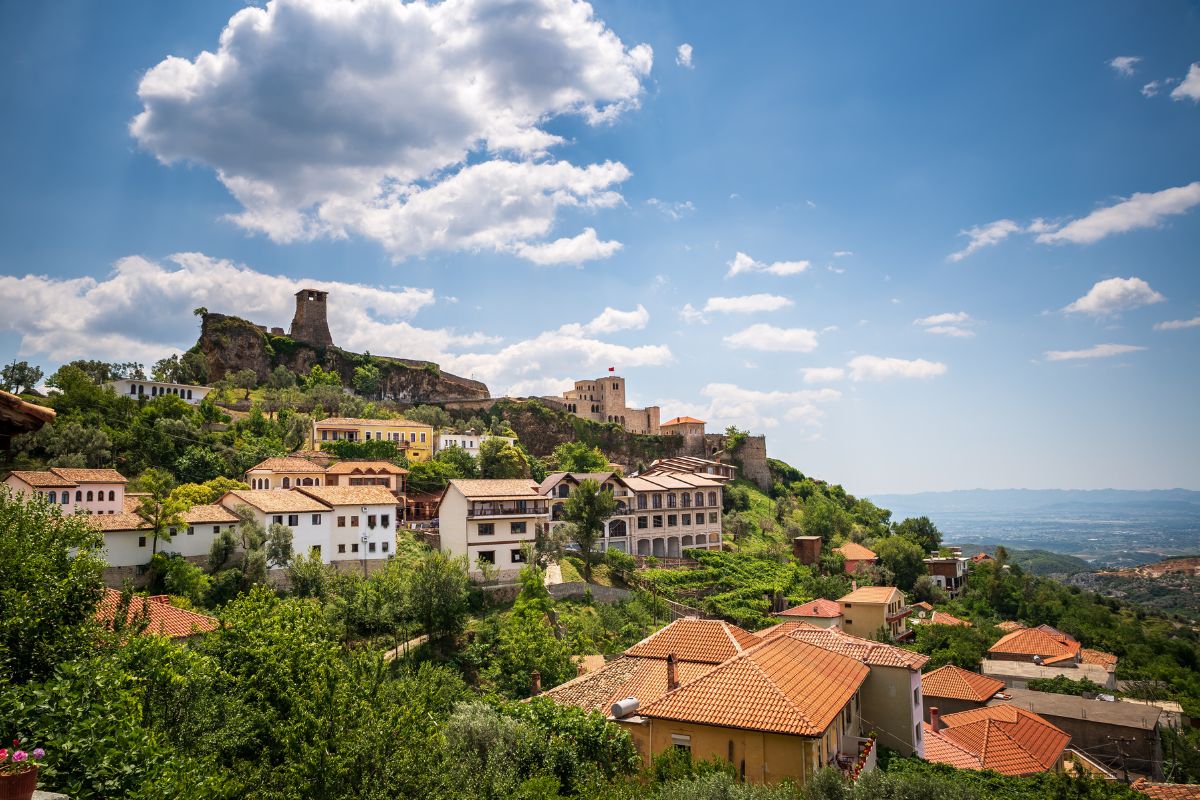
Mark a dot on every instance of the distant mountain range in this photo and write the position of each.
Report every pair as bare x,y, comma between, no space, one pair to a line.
1059,500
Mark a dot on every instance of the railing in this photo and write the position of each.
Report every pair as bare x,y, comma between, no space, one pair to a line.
901,614
864,760
530,511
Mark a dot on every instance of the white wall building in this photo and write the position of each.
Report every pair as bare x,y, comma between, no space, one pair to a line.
307,517
491,521
469,441
362,521
187,392
128,539
96,491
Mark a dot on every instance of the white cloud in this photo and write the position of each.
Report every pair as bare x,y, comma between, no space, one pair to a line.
876,368
574,250
1098,351
1124,64
823,374
1142,210
690,315
1189,87
1178,324
1151,88
943,319
746,304
672,211
683,56
982,236
1115,295
611,320
951,330
769,338
730,404
744,263
949,324
143,310
842,253
417,125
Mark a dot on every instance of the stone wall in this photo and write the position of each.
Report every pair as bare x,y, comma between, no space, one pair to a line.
751,456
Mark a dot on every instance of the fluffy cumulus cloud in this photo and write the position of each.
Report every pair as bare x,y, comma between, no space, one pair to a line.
730,404
418,125
1124,65
771,339
143,310
746,304
877,368
1096,351
1178,324
954,323
683,55
1142,210
1189,87
743,263
1114,296
823,374
611,320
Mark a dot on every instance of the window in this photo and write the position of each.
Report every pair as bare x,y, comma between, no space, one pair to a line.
89,496
699,499
687,518
641,502
384,547
341,522
293,520
316,519
371,547
191,530
712,498
712,517
487,528
54,497
517,556
686,498
917,696
277,519
370,520
849,621
66,498
216,530
672,500
412,437
341,548
487,556
354,547
141,541
656,501
385,521
658,520
287,483
672,520
112,495
78,496
422,437
367,435
642,523
315,550
353,520
681,742
917,731
324,436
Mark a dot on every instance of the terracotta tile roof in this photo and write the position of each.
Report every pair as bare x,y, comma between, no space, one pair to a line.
1035,642
358,421
626,676
872,594
287,464
1089,656
942,618
351,495
165,619
922,605
554,478
199,515
682,421
1168,791
485,489
978,557
42,479
941,750
814,608
89,475
25,415
1008,626
782,686
868,651
273,501
956,683
702,640
348,467
124,521
1009,740
1055,633
853,551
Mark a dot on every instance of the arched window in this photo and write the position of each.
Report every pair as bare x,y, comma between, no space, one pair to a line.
54,497
564,490
189,391
287,483
66,497
89,495
699,499
712,498
78,496
112,496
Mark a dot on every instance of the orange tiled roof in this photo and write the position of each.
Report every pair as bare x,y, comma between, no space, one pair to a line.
871,594
1035,642
682,421
956,683
782,686
1106,660
942,750
351,495
853,551
626,676
1007,739
922,605
703,640
350,422
1008,626
164,618
978,557
273,501
814,608
496,488
42,479
206,513
942,618
89,475
122,521
1168,791
868,651
287,464
1054,632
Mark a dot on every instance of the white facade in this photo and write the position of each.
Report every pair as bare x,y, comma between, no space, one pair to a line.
150,389
469,441
361,523
492,521
96,491
308,519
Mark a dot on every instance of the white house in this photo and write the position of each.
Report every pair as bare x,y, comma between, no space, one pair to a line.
96,491
306,516
284,473
362,521
469,441
491,521
128,539
148,389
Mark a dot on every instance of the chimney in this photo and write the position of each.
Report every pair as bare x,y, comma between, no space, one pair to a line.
935,722
854,585
672,677
537,683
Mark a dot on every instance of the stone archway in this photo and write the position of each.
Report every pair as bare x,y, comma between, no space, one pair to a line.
673,547
660,548
617,528
643,547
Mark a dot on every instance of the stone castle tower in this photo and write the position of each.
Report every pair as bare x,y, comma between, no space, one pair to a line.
310,325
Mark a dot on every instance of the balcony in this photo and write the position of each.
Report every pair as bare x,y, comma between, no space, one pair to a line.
855,764
513,509
899,614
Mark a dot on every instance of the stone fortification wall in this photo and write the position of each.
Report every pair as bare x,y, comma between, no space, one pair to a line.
751,456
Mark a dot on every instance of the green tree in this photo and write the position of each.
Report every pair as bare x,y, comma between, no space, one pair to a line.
278,545
463,463
281,378
575,456
367,380
499,459
156,507
905,560
70,443
435,416
317,376
824,518
50,583
586,512
246,380
925,590
921,531
19,377
199,464
437,588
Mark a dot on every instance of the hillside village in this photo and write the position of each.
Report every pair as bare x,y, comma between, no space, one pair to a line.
712,611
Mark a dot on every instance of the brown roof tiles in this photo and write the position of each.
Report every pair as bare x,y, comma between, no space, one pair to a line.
1009,740
1036,642
814,608
42,479
690,639
273,501
351,495
164,618
868,651
79,475
496,489
853,551
956,683
287,464
872,594
1168,791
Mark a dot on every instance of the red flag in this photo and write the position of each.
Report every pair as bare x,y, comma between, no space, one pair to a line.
612,369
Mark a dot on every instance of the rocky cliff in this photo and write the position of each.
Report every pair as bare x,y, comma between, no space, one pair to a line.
230,344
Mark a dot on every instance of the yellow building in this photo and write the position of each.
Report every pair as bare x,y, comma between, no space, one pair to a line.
414,439
867,609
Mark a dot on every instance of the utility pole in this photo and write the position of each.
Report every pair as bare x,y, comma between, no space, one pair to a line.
1121,754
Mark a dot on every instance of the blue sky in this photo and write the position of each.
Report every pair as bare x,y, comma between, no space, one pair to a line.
531,192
